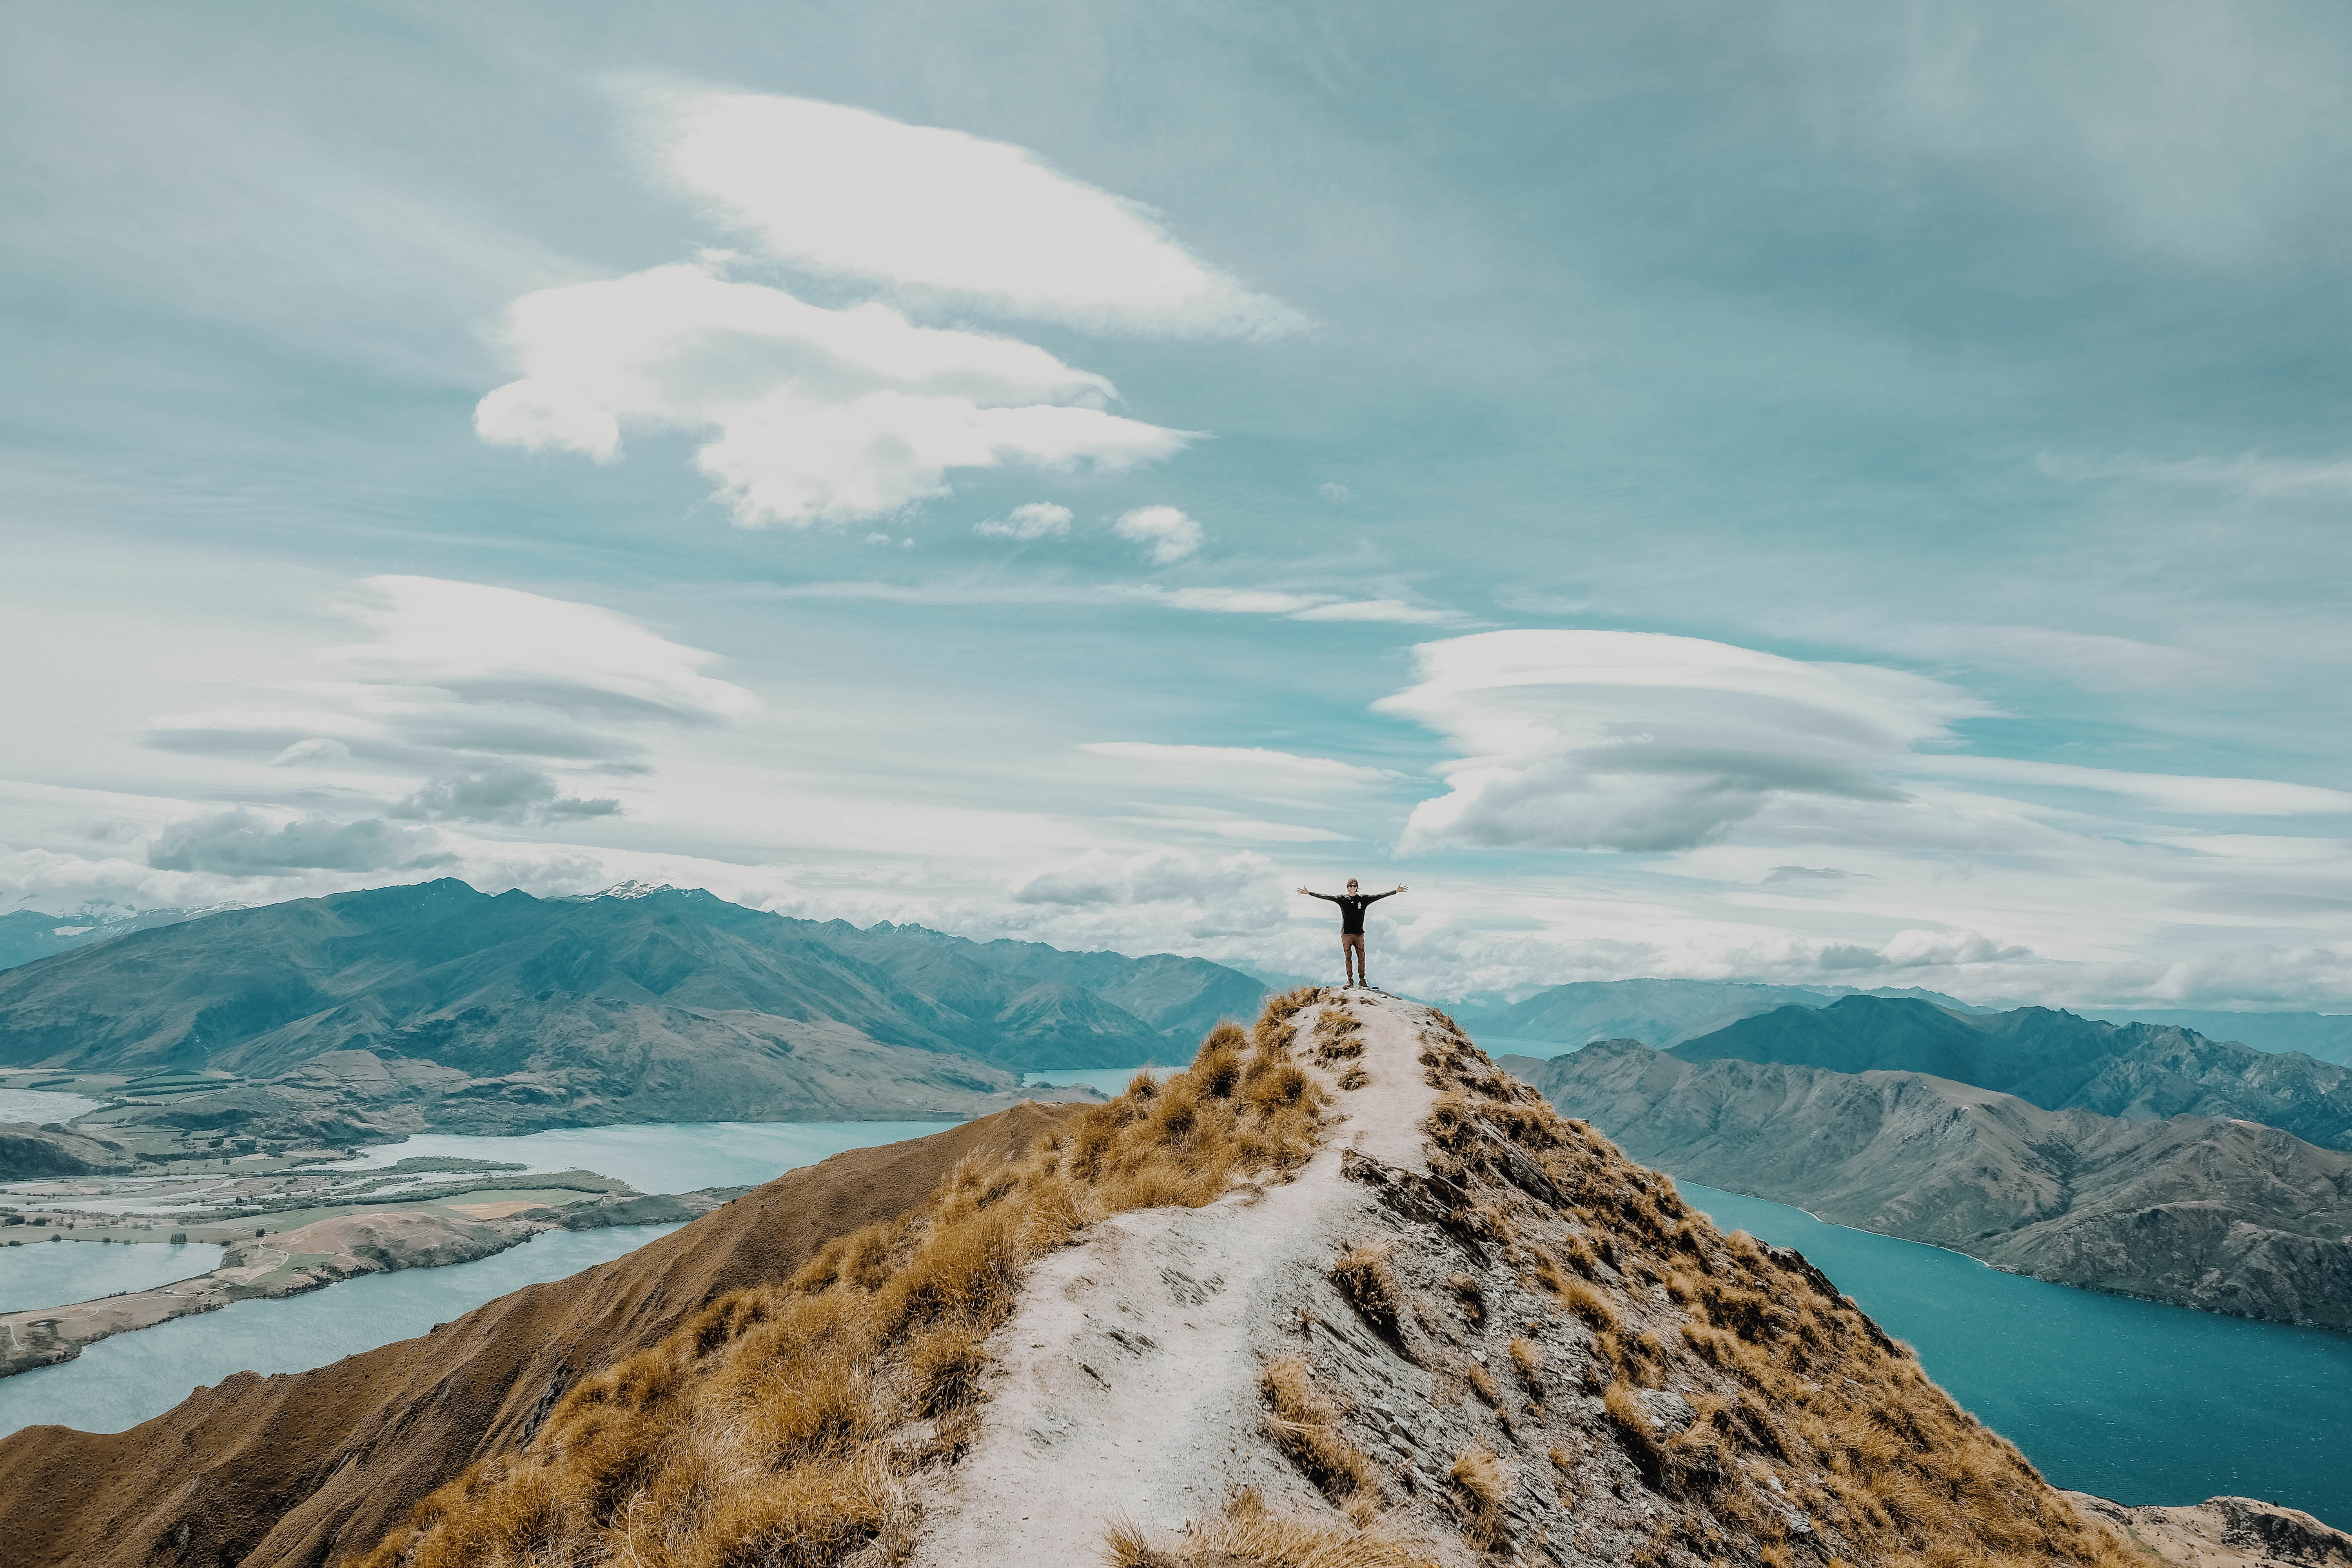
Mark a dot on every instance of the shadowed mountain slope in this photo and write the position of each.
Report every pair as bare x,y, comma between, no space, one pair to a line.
2053,1060
2225,1215
308,1468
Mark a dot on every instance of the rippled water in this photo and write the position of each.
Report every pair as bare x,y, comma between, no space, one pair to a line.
2133,1400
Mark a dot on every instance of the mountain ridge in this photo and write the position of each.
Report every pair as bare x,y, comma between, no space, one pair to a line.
509,1012
2054,1059
2226,1215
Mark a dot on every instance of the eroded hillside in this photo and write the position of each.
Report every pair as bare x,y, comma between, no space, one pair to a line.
1341,1293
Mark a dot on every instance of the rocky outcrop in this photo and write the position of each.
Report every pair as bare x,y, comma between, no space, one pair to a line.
2230,1216
2224,1533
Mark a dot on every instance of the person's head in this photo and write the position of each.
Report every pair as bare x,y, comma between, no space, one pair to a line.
1351,884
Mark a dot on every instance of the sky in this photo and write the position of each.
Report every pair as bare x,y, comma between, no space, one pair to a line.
1822,493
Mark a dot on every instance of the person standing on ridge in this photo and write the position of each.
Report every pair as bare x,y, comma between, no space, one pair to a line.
1352,905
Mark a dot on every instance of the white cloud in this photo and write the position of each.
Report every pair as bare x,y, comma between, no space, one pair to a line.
1333,491
813,414
934,213
2169,792
1167,532
1159,876
1395,610
1279,602
1241,767
1646,742
482,689
2249,472
513,793
1037,520
242,843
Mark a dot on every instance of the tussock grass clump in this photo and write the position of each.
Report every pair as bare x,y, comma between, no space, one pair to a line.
1527,1356
1338,1036
1471,1295
777,1425
1306,1426
1481,1481
1247,1534
1367,1283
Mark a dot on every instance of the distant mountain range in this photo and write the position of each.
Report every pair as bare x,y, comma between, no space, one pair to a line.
474,1012
1666,1012
28,935
2226,1215
1659,1013
2054,1059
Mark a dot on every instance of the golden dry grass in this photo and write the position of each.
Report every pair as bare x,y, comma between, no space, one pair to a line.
1247,1534
1481,1481
1367,1283
1866,1447
1306,1426
777,1426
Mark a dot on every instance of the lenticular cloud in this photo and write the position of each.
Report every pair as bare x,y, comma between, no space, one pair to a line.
813,415
923,211
1644,742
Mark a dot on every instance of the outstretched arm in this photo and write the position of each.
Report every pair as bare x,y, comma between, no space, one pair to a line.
1391,893
1327,898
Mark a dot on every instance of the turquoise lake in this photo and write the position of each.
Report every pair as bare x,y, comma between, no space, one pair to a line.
131,1378
2133,1400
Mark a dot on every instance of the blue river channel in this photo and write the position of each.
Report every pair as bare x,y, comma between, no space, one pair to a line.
2132,1400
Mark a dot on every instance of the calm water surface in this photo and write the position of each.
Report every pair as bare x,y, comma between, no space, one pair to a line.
1110,1080
125,1379
39,1105
58,1274
665,1157
2132,1400
120,1381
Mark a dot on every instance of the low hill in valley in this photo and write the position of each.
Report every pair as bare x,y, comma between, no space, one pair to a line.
2226,1215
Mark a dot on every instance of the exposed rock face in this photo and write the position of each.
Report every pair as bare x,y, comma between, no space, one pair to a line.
310,1468
2224,1533
29,1152
2230,1216
2053,1060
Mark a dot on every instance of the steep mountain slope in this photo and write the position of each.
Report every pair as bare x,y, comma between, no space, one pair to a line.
1339,1294
309,1468
2225,1215
1183,998
1661,1013
2053,1060
655,1005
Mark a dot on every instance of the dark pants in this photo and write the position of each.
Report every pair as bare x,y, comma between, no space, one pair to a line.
1352,954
